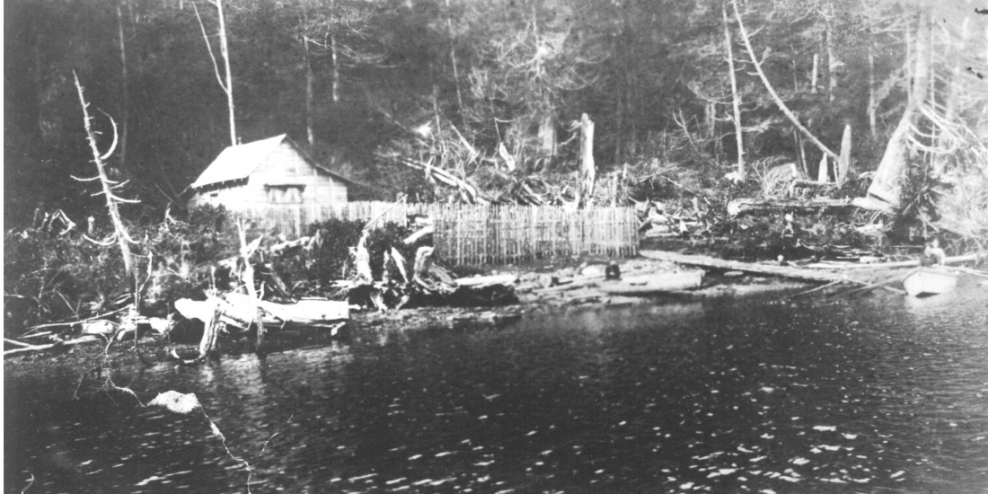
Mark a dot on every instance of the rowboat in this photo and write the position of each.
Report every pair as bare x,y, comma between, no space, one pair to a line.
239,310
654,283
925,282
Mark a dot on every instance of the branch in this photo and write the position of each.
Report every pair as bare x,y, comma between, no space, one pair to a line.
775,96
113,146
106,243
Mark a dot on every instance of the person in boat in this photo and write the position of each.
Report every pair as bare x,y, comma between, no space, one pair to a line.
933,254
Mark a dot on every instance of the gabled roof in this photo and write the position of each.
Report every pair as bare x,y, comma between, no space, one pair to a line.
238,162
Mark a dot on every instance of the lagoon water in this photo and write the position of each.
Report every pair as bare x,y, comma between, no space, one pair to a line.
877,394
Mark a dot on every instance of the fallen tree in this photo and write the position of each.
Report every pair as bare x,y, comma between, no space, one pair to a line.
739,207
768,269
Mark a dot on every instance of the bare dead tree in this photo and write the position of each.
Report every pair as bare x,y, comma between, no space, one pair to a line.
226,85
109,186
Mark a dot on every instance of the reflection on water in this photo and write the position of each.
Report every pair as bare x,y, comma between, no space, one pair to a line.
880,394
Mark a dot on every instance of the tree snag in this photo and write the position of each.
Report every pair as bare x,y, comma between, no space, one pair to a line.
587,165
735,97
844,163
112,200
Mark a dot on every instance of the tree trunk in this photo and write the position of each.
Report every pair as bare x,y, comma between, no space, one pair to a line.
587,165
872,102
886,187
547,136
227,86
909,55
833,63
309,93
123,97
844,163
815,76
336,69
452,57
619,109
804,167
823,170
225,51
735,97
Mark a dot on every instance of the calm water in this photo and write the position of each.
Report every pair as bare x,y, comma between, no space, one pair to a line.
880,394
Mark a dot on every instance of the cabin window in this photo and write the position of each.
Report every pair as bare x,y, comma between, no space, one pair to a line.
285,194
214,199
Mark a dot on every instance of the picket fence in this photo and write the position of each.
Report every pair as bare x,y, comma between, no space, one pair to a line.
476,234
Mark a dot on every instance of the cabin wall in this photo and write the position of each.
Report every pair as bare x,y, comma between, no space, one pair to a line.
285,166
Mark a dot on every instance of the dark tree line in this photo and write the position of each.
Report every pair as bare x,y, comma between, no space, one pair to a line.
489,91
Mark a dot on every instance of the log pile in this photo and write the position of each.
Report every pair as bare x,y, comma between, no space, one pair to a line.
429,285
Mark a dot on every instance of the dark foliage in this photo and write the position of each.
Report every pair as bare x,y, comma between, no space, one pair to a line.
64,276
71,276
331,259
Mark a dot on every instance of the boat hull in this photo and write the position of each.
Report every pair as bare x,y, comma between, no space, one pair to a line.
925,282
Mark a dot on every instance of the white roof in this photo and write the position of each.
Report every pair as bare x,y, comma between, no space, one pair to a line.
238,162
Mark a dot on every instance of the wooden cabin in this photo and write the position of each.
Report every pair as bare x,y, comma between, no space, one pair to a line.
273,173
271,180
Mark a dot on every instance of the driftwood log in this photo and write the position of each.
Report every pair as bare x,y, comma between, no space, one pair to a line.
896,264
754,206
768,269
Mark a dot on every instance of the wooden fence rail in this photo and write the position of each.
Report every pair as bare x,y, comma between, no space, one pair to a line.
477,234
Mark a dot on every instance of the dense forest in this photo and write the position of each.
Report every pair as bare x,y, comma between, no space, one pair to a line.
490,91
